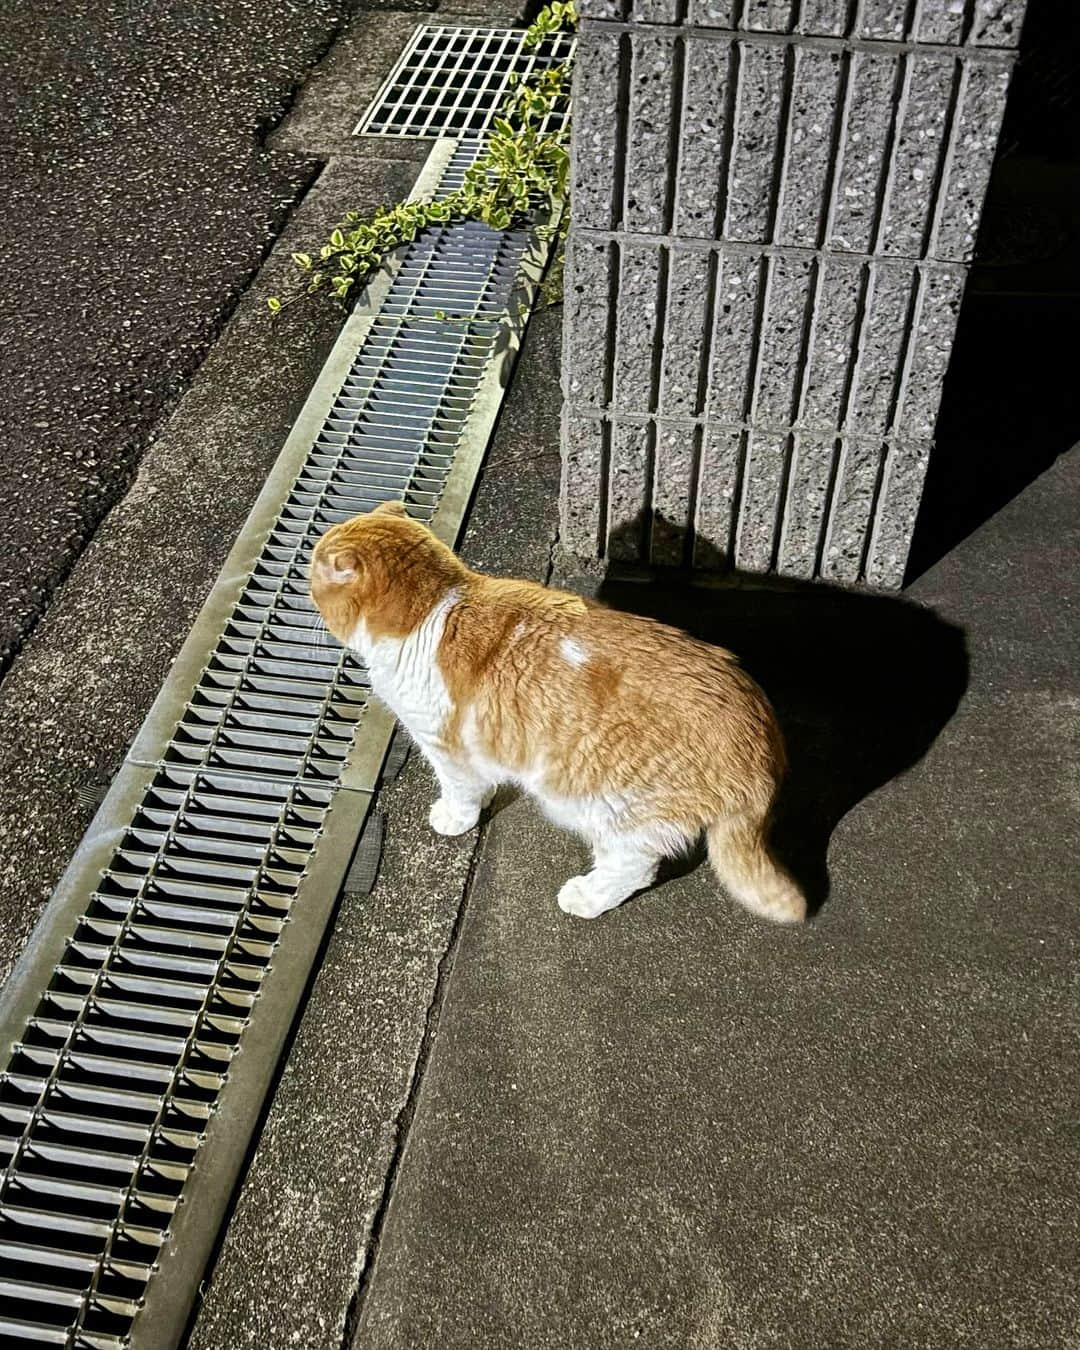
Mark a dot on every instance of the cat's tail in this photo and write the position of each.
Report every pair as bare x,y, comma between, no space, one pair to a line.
741,858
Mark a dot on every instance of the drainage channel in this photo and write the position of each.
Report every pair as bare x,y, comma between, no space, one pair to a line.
141,1028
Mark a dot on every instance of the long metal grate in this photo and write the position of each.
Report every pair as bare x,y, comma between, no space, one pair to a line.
454,81
183,931
272,700
108,1092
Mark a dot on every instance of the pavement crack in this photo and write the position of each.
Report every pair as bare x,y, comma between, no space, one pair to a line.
355,1311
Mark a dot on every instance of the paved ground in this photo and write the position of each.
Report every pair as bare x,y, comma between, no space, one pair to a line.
139,200
678,1126
674,1127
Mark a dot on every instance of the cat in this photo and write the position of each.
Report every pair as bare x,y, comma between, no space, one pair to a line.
630,733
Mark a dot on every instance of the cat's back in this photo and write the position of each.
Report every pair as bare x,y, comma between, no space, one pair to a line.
554,646
596,693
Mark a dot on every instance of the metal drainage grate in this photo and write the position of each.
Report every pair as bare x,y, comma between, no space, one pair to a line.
109,1090
272,699
142,1026
454,81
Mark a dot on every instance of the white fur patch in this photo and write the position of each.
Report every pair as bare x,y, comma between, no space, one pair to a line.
336,576
573,652
405,672
591,817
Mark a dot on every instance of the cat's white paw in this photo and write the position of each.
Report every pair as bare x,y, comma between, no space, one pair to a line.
579,898
449,818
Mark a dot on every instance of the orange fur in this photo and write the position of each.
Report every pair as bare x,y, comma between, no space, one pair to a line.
580,703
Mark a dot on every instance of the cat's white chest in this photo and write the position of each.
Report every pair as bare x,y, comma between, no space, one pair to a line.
405,673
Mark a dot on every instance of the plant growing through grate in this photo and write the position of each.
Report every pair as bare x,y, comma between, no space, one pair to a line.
109,1095
520,170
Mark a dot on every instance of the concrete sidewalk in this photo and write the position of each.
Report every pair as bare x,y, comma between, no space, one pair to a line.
499,1126
677,1126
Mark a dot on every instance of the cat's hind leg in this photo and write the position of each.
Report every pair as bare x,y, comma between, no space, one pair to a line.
623,865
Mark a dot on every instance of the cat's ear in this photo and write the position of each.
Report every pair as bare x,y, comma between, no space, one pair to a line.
391,508
341,566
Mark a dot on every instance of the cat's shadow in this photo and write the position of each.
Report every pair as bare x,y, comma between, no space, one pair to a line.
862,684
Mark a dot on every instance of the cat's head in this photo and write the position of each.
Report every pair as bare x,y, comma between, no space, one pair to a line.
384,571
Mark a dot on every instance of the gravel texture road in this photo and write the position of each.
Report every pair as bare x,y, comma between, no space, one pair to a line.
139,200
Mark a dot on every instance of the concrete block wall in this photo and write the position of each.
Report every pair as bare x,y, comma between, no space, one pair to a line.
774,205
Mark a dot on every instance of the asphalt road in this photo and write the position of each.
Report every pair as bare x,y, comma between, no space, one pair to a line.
138,200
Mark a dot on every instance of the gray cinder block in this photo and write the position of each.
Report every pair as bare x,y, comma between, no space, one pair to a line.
752,168
642,270
629,489
881,343
774,206
709,71
732,352
685,318
815,110
918,148
582,487
840,289
763,476
596,128
603,9
897,506
937,308
782,339
588,318
824,18
673,489
996,23
713,13
654,64
813,455
883,19
864,144
768,16
969,159
851,510
656,11
722,453
939,21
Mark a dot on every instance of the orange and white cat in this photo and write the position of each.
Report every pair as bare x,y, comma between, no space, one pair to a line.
634,735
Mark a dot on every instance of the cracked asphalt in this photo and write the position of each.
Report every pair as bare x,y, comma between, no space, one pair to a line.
138,200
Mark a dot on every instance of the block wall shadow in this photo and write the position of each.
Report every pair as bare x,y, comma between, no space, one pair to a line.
1011,402
1011,407
862,685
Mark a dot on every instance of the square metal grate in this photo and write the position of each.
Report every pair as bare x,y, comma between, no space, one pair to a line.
454,81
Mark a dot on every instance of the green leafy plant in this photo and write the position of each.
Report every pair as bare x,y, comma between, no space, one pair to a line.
522,173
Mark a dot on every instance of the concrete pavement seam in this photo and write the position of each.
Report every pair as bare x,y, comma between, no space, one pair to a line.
355,1311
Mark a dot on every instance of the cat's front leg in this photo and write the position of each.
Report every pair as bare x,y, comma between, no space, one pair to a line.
463,795
621,868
